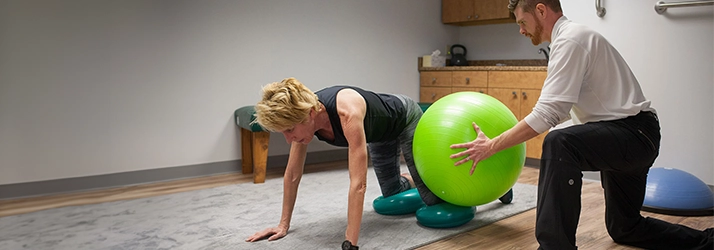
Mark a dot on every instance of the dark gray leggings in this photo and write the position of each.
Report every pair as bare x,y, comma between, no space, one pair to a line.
386,162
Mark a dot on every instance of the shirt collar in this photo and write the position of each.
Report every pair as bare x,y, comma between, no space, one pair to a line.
556,28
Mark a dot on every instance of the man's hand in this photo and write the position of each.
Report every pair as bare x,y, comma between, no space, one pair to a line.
274,233
476,150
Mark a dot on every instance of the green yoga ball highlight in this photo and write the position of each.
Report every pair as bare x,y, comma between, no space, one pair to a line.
449,121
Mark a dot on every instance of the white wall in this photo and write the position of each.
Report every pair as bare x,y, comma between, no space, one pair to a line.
672,55
94,87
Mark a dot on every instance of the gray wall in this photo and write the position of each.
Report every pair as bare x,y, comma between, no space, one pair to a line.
672,55
98,87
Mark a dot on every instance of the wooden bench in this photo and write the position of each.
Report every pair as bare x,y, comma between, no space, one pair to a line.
254,144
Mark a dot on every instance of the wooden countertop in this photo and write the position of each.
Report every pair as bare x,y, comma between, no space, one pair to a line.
508,65
492,68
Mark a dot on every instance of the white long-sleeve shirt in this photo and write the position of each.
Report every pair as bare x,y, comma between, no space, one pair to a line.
588,75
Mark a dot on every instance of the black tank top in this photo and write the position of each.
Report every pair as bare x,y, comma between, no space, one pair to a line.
385,118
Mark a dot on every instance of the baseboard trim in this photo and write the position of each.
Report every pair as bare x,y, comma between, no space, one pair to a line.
80,184
532,162
95,182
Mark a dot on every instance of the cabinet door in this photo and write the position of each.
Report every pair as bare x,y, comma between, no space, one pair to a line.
529,98
454,11
521,102
465,12
491,9
534,146
431,94
509,97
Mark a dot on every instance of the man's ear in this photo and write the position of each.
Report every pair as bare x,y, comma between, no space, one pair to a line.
540,10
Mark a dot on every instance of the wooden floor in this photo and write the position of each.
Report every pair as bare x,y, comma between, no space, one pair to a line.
516,232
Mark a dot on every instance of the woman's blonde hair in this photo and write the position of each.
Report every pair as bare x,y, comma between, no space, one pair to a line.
285,104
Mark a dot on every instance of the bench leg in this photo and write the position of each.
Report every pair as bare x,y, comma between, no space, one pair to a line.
254,151
260,142
246,150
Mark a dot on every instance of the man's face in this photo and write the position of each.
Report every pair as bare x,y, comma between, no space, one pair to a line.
529,25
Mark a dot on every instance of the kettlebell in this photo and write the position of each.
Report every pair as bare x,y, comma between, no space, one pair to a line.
458,59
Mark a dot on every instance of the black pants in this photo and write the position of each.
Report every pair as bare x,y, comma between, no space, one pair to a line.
623,151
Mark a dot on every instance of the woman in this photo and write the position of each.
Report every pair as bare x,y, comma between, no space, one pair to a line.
349,117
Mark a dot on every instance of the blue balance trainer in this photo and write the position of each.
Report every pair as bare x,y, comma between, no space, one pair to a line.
675,192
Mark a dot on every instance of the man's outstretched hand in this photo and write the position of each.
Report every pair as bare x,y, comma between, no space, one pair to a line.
476,150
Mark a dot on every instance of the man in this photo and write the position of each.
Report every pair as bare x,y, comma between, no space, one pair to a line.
617,134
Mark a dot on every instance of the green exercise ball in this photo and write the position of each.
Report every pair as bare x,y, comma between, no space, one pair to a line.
449,121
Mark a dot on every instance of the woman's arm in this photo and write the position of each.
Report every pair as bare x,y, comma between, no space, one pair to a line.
291,181
352,107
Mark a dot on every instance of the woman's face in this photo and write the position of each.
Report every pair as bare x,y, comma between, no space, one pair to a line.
302,132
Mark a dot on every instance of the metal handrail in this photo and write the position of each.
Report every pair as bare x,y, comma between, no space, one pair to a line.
661,6
600,10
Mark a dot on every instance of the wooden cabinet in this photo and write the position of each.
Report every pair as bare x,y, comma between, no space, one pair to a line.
521,102
437,84
431,94
516,79
473,12
518,90
434,85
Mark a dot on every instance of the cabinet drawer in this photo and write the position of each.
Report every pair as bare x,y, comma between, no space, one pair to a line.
435,79
510,97
516,79
431,94
469,78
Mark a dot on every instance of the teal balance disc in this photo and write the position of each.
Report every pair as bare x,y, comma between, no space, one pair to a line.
406,202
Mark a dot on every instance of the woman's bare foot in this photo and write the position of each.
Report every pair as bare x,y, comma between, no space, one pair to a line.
409,177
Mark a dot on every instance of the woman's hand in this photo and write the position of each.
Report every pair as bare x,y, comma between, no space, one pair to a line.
476,150
275,233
